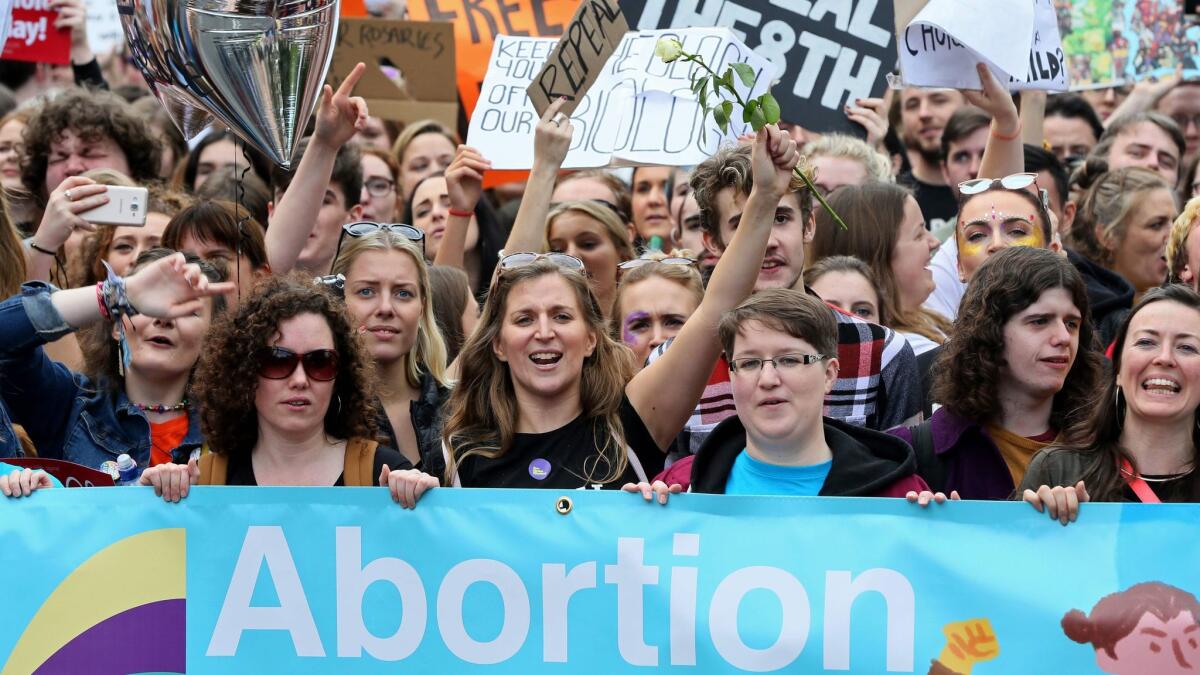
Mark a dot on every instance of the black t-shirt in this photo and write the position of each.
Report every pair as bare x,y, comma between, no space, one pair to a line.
241,469
566,458
938,203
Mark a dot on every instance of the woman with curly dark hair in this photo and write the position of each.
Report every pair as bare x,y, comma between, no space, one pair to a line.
1139,442
286,395
76,131
1018,371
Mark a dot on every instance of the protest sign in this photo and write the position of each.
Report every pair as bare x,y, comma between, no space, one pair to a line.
323,580
32,36
1110,43
639,111
828,52
1018,40
69,474
591,37
478,22
104,26
410,67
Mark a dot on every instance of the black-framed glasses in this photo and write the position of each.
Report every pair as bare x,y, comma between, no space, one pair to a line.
1016,181
379,187
365,227
638,262
514,260
278,363
755,364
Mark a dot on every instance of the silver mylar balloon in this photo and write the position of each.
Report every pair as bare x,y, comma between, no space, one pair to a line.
255,65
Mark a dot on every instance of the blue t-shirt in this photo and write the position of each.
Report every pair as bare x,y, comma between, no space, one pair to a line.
752,477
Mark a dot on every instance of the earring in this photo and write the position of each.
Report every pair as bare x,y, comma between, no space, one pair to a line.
1117,408
339,404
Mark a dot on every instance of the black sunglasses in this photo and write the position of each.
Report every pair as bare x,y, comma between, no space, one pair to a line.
277,363
366,227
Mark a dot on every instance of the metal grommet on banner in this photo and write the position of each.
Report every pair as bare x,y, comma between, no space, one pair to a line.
564,505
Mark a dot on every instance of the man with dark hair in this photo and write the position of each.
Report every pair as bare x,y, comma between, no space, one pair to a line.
1071,127
963,141
1052,177
339,206
781,347
924,114
878,383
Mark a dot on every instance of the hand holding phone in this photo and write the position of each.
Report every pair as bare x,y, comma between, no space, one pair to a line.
126,206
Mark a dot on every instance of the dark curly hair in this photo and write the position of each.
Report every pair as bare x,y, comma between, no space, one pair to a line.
968,370
227,377
91,114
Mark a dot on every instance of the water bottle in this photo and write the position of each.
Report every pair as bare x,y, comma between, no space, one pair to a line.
128,470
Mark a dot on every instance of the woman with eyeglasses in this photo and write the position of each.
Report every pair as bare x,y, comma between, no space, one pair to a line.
286,396
390,304
379,200
1138,444
547,399
135,395
656,296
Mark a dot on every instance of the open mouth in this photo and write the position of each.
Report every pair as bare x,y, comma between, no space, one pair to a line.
545,359
161,341
297,403
772,264
1161,385
383,331
771,403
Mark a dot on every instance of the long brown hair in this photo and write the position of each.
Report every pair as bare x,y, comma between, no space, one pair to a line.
481,414
874,213
1099,434
12,253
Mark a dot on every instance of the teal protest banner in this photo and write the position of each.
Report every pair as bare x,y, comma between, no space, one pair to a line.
294,580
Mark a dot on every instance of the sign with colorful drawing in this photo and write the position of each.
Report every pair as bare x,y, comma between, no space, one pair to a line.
1113,42
308,580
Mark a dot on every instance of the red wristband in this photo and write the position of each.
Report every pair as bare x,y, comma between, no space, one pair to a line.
1015,135
100,301
460,214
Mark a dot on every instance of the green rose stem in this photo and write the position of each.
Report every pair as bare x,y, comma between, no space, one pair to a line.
757,113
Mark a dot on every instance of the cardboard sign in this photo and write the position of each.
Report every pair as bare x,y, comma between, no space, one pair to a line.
829,52
69,474
1017,39
1109,43
420,56
478,22
592,36
32,36
639,111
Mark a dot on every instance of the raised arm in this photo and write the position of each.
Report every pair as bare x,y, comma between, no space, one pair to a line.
1004,154
1033,117
551,140
464,182
339,117
665,392
73,196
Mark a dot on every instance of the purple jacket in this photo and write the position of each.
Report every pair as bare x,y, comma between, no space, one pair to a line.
972,463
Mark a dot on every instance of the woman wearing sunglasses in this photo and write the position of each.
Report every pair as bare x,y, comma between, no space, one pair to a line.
388,298
286,399
547,399
656,296
133,397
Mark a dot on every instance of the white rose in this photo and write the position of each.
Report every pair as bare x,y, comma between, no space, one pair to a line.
668,49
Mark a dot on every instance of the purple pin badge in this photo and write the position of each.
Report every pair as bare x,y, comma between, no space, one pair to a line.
539,469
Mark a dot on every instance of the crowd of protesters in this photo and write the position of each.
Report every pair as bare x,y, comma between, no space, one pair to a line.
1010,312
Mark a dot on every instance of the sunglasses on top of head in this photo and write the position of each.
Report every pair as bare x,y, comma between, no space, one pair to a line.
366,227
278,363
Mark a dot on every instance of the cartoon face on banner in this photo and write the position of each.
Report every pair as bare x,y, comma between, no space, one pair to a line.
256,67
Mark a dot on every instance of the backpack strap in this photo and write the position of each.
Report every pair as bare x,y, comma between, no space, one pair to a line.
929,465
360,460
214,468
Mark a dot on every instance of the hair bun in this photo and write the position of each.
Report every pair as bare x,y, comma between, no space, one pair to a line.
1089,172
1078,627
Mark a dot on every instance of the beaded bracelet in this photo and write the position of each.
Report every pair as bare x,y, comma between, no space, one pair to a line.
100,301
116,301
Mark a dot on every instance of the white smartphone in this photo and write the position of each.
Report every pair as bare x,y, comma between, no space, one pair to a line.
126,206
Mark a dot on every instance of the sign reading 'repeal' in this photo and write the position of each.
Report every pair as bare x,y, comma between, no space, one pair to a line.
829,52
592,36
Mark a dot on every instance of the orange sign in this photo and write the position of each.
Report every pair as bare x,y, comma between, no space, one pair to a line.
478,22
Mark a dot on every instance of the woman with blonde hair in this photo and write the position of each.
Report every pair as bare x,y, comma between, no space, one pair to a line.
594,234
656,296
1183,252
390,304
1123,223
424,148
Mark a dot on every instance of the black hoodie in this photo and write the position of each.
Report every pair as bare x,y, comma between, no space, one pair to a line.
866,463
1110,296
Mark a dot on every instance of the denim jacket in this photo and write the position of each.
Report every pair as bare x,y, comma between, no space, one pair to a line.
67,415
10,445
